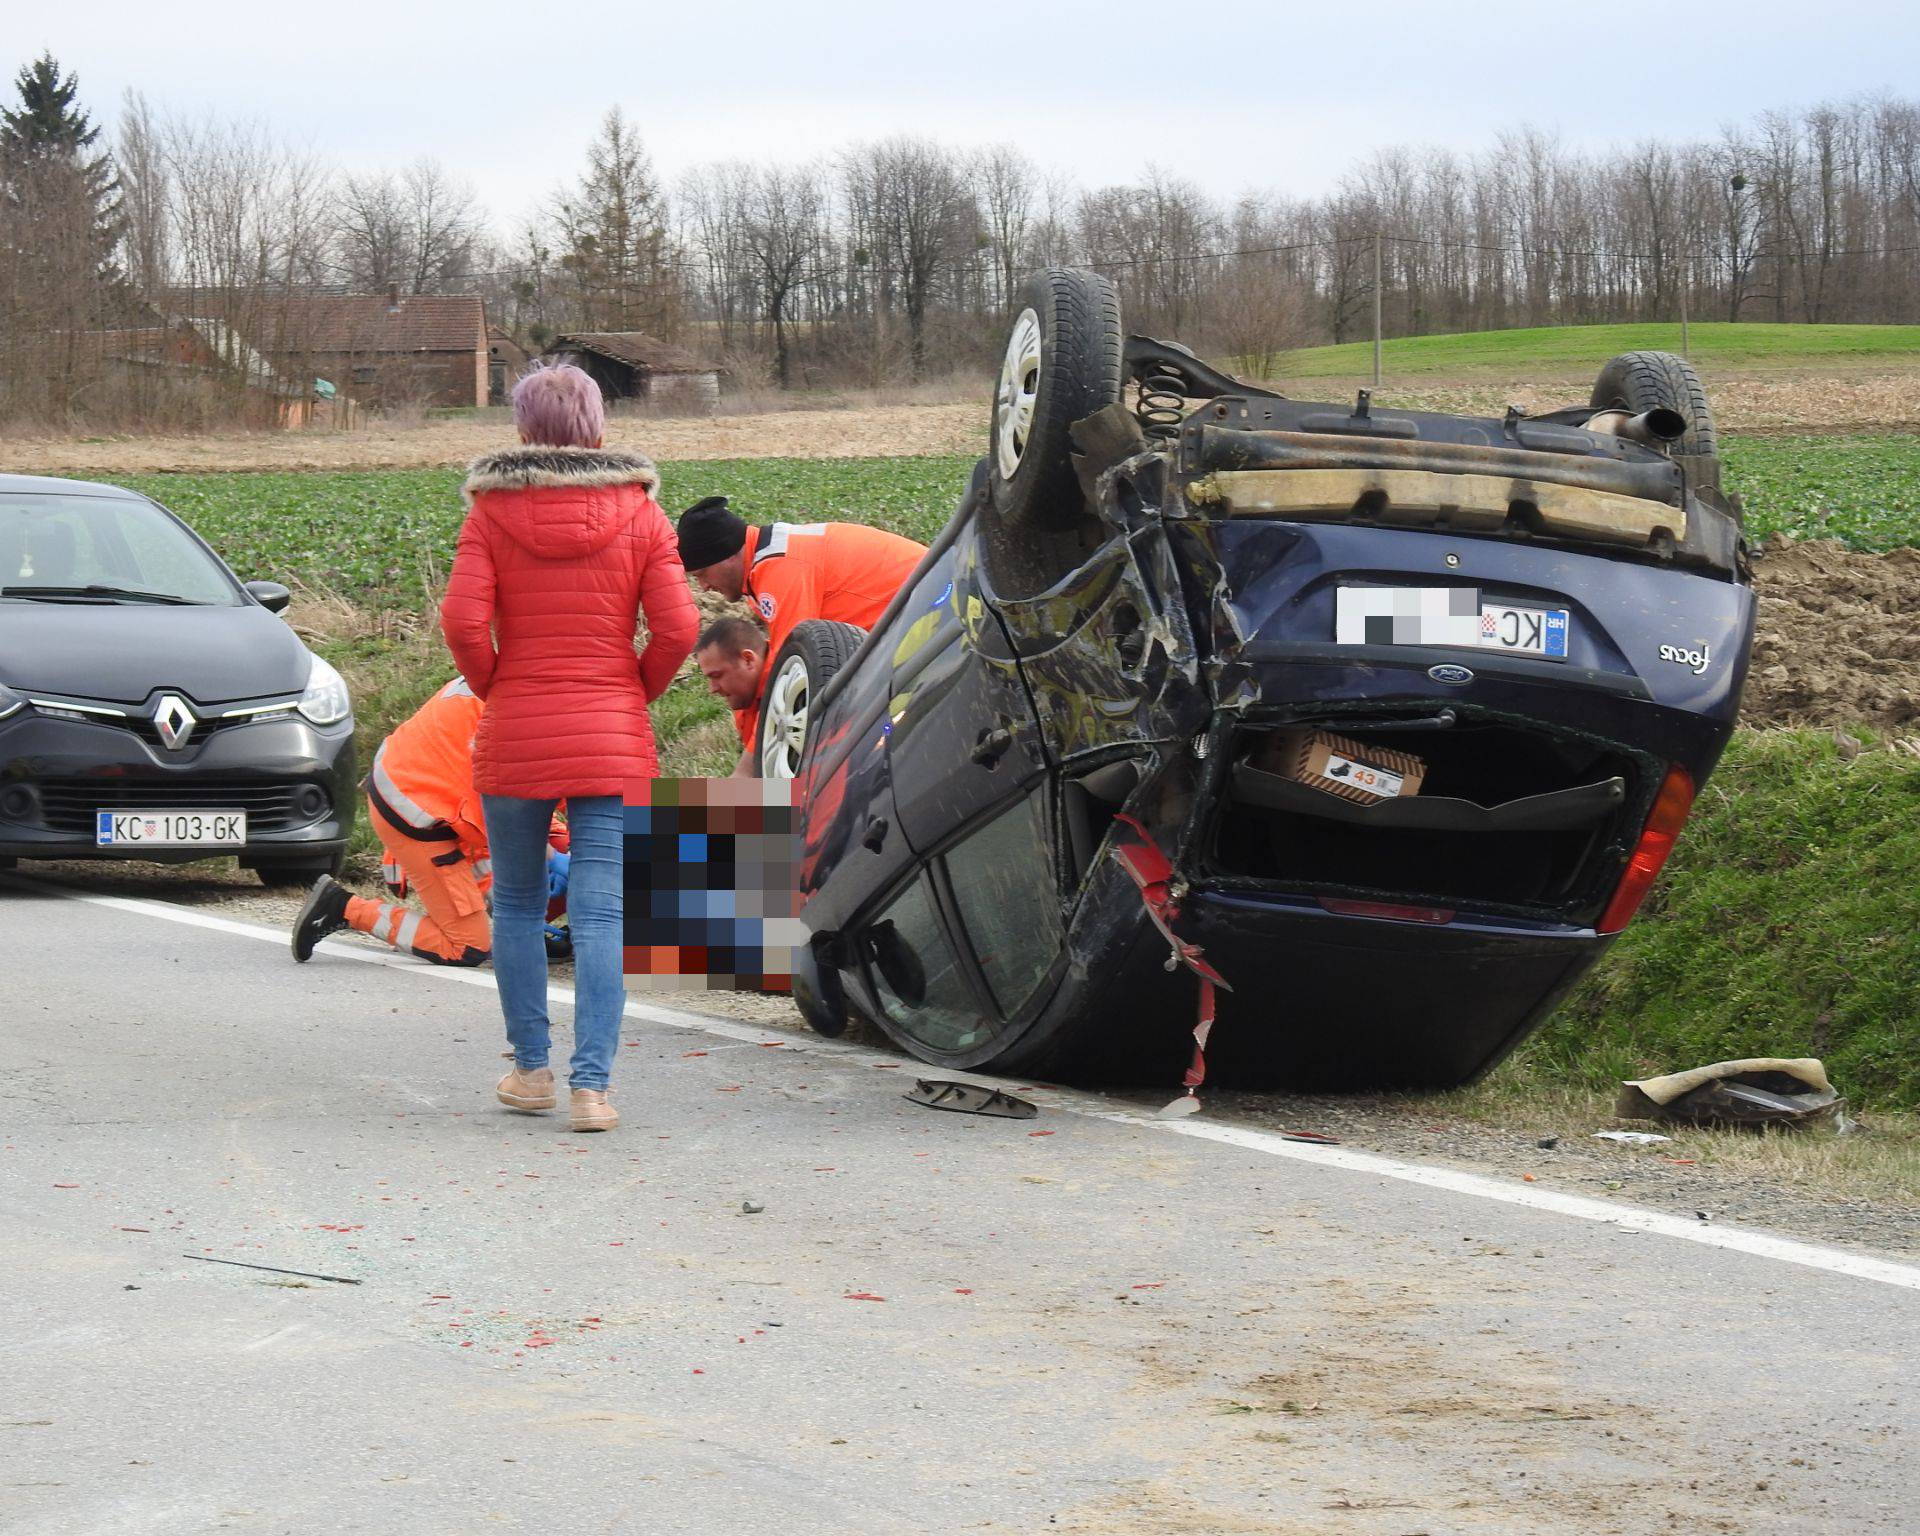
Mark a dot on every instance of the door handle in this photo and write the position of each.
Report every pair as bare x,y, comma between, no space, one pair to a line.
992,746
875,837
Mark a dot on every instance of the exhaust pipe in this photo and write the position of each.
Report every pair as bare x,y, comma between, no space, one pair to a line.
1656,428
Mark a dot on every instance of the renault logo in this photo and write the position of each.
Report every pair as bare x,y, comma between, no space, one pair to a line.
174,721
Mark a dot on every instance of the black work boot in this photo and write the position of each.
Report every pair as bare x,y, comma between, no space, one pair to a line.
325,912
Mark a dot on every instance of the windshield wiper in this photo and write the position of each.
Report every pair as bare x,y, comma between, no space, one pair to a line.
106,593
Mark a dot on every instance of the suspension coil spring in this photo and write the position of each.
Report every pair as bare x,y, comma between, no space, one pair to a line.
1162,404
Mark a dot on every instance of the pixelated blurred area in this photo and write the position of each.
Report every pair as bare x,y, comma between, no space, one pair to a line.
712,904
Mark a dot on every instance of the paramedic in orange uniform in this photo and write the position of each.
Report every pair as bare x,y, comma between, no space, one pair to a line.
793,571
731,654
433,840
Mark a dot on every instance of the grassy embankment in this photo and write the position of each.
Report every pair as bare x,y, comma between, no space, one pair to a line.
1789,921
1575,350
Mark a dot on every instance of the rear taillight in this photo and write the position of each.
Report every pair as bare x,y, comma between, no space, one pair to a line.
1657,838
1387,909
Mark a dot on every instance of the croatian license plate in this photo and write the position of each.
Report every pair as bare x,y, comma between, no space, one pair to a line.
1450,616
171,829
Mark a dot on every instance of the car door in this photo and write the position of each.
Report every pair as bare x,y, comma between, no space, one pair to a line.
962,738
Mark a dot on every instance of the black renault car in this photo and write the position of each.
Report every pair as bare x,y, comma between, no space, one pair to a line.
1059,789
151,704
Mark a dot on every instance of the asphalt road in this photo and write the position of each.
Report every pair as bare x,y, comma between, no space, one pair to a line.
1088,1322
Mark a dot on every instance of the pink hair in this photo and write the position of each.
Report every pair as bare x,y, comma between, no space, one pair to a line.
558,406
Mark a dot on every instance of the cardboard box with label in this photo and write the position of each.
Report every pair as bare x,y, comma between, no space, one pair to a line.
1356,771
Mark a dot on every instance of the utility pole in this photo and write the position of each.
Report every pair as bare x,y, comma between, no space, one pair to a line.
1686,278
1376,309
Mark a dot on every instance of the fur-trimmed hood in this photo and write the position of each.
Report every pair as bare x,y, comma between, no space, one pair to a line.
523,468
560,503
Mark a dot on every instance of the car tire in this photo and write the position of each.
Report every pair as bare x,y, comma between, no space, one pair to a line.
1644,381
814,653
1062,363
278,877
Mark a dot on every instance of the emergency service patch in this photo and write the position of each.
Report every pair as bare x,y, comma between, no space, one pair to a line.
766,605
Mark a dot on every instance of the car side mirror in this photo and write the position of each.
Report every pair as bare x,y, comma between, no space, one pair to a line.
898,965
270,595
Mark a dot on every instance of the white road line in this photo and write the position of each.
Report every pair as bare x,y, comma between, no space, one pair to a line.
1629,1218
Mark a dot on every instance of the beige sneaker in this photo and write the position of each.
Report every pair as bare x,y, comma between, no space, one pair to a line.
527,1092
592,1112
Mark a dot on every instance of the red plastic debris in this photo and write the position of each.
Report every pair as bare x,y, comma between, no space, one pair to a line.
863,1296
1039,1133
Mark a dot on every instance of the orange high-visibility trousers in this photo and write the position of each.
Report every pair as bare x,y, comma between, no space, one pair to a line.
454,929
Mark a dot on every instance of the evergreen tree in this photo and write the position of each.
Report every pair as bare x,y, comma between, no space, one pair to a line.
48,162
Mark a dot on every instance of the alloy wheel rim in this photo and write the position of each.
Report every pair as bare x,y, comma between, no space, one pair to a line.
1018,394
786,722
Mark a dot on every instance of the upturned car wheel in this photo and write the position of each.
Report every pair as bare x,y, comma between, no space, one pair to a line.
815,651
1062,363
1645,381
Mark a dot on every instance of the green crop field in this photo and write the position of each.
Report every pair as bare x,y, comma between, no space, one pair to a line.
386,538
1581,349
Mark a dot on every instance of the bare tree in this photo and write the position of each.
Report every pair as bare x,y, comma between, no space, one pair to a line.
783,234
146,193
443,224
916,199
1007,189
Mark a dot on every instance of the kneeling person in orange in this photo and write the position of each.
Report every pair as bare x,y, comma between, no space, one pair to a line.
790,572
433,841
732,656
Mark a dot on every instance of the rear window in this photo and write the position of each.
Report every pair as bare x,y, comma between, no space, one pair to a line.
110,541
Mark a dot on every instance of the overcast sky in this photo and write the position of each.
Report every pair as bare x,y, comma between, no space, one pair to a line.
1278,95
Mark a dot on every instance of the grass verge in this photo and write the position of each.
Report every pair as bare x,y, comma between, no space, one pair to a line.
1787,924
1529,351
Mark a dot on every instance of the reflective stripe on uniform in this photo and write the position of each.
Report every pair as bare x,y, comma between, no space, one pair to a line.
397,801
778,535
482,868
404,940
459,688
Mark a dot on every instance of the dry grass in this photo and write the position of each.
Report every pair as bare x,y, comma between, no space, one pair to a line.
1878,1157
849,431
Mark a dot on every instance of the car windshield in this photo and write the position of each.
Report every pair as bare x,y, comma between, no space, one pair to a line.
102,549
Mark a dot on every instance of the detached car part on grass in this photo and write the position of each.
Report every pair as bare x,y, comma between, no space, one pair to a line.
1553,613
152,706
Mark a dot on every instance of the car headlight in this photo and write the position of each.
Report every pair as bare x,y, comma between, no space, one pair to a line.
325,702
10,702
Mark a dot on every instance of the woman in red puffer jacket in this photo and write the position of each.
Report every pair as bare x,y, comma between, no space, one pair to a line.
563,550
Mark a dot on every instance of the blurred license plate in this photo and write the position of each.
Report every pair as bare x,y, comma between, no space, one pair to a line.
1455,616
171,829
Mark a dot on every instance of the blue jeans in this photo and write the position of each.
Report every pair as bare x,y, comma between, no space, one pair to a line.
517,831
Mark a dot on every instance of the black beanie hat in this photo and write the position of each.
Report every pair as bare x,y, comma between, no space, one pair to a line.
709,533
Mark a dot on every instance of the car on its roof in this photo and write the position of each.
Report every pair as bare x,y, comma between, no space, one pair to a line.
1071,775
152,705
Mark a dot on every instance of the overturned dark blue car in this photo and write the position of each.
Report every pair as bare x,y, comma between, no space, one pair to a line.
1366,729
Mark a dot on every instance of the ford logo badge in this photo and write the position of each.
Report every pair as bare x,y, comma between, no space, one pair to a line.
1450,673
